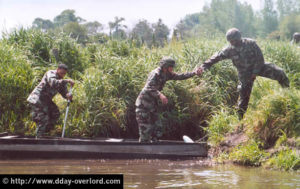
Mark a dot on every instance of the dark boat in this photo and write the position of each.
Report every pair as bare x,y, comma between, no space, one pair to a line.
17,147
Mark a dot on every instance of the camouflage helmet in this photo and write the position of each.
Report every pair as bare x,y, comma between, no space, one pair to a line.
296,35
166,62
233,34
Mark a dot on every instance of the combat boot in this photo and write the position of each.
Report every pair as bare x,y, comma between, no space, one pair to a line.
285,83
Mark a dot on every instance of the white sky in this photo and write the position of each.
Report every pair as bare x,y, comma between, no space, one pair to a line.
16,13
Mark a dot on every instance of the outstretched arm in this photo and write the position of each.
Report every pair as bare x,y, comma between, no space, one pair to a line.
54,82
59,84
218,56
64,91
183,76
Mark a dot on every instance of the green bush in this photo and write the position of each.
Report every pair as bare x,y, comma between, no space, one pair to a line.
35,43
40,46
220,124
71,54
286,159
249,154
16,82
276,112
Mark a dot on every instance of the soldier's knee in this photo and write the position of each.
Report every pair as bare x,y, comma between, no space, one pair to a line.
55,115
145,127
143,117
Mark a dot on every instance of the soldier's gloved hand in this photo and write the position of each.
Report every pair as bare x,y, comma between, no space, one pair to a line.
199,71
163,98
72,83
69,96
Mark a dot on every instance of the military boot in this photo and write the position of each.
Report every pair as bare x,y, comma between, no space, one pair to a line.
285,83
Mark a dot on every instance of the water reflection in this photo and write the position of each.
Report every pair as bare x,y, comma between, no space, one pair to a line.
148,174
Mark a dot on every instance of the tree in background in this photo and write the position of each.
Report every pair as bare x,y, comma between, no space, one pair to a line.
244,19
40,23
218,17
76,31
187,24
287,7
289,17
269,19
214,20
289,25
143,33
93,28
175,36
160,33
72,25
116,29
67,16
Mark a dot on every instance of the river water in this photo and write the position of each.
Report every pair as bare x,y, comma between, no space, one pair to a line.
148,174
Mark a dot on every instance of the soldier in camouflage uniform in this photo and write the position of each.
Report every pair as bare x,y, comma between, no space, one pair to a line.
296,38
147,115
249,61
44,112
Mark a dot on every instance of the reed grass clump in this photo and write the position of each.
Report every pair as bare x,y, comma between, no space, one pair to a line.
46,51
16,82
248,154
276,112
286,159
224,121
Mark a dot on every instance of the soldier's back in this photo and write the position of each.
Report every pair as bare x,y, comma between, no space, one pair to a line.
43,91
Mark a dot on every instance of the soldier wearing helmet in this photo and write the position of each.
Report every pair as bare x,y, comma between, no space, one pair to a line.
44,111
166,62
296,38
234,37
247,57
147,114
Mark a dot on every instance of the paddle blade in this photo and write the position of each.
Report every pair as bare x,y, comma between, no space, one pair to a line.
187,139
114,140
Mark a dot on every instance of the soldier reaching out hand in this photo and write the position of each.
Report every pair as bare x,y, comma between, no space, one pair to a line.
147,114
249,61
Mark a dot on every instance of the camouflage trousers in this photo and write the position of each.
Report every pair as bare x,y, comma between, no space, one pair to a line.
45,115
270,71
150,126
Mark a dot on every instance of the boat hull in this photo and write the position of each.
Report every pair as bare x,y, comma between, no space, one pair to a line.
20,148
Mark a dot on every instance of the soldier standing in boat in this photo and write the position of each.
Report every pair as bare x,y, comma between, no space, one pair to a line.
44,111
249,61
147,115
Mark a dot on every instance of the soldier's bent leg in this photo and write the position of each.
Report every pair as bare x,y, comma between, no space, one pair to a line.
40,116
145,126
157,130
54,115
244,93
276,73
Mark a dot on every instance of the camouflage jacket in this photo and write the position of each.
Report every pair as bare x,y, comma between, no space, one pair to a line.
50,85
149,96
247,58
